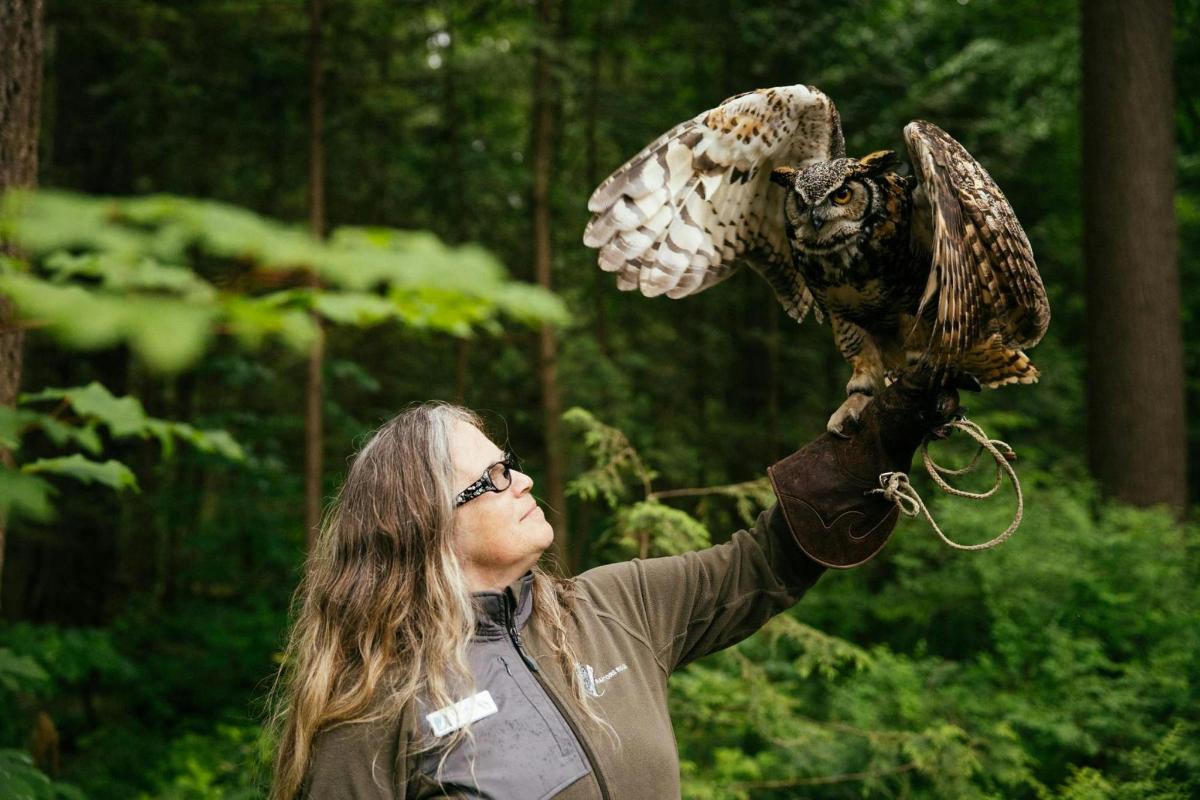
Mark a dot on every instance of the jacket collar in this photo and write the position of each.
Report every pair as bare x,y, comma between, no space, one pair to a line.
494,610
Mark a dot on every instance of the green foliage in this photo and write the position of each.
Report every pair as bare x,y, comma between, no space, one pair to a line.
1069,660
113,271
20,673
95,406
227,763
21,780
25,496
40,662
168,334
92,407
110,473
615,462
65,659
649,528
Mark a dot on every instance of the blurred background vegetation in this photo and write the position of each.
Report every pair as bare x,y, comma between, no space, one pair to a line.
270,224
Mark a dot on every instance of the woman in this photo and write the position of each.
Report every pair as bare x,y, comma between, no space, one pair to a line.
431,657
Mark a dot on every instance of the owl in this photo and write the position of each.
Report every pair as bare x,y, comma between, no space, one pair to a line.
923,270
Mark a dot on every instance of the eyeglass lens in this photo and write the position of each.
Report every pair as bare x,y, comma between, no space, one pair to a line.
501,476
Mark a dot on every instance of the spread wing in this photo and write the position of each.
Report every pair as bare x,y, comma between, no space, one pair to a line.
983,276
682,214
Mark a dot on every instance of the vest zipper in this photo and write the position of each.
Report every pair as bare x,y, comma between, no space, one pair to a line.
515,636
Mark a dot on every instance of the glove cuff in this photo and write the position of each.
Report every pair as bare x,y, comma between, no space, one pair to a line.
824,489
827,506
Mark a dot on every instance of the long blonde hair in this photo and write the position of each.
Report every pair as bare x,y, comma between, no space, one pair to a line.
383,614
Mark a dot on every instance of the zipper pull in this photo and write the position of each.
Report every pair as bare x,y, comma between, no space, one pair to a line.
510,617
529,662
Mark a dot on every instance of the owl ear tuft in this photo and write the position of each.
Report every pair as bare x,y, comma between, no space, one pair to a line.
784,176
880,160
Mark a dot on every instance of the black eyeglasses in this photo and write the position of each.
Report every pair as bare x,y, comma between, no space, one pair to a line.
497,478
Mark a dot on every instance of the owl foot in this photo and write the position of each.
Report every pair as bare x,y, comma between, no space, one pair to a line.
944,431
845,420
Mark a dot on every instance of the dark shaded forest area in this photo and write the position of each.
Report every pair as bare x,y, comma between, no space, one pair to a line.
186,371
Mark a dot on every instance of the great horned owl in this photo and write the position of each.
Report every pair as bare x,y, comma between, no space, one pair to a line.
931,269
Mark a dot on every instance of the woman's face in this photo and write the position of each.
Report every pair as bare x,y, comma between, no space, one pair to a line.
499,536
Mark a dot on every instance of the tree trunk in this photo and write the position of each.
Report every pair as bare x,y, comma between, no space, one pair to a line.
313,427
454,182
600,279
543,156
20,95
460,227
1136,418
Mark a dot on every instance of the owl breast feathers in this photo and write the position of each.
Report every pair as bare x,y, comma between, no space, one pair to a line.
927,269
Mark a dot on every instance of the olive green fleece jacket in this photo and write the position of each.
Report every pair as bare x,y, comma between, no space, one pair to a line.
634,623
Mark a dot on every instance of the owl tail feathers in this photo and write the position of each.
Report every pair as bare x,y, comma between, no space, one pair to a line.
995,365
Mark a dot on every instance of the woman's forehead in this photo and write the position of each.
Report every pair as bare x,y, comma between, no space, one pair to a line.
471,449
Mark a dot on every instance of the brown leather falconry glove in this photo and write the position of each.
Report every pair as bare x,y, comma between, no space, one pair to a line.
823,488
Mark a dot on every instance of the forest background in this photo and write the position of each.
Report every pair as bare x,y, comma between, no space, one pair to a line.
194,373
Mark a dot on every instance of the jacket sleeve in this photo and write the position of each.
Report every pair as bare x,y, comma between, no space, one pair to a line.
358,761
694,604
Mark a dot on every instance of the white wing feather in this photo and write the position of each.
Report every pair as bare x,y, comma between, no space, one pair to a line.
680,215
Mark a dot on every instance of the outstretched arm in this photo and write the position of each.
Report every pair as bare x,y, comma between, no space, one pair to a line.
693,604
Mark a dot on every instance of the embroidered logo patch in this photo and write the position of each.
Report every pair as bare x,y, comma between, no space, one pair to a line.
593,683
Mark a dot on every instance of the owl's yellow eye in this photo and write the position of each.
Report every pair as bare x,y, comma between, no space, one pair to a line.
842,195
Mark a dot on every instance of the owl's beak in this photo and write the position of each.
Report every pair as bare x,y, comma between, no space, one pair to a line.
816,221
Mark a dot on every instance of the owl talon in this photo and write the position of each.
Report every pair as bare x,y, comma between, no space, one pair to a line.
844,421
941,433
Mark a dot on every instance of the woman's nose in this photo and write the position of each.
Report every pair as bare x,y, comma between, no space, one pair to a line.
522,483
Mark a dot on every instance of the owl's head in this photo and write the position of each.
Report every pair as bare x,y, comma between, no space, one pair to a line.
833,203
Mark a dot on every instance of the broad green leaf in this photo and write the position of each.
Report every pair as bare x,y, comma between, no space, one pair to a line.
110,473
20,779
119,274
206,441
124,416
219,442
252,320
20,672
79,318
11,423
46,221
23,495
354,308
63,434
170,336
168,333
532,305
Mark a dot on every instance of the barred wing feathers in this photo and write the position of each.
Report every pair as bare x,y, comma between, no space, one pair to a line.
687,210
984,276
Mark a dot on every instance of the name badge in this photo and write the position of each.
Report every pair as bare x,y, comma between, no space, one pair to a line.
464,712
